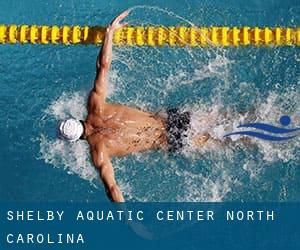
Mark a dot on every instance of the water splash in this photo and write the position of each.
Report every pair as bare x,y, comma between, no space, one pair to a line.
192,185
215,85
74,158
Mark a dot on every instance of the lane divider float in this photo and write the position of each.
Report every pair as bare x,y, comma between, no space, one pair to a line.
152,35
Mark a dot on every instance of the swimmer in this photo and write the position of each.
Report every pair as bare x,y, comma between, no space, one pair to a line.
114,130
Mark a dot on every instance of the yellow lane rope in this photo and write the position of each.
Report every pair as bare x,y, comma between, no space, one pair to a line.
152,35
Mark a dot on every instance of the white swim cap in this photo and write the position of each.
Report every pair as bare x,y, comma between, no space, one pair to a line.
70,130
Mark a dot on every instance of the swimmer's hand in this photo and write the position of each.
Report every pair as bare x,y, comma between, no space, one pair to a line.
115,24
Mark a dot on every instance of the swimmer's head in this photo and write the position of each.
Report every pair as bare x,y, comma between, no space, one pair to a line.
70,130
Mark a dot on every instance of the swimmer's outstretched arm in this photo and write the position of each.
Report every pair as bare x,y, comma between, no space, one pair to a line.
105,56
103,164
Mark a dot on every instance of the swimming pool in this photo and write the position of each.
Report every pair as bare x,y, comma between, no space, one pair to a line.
42,84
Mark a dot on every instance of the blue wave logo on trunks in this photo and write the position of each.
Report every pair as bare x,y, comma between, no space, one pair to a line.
272,133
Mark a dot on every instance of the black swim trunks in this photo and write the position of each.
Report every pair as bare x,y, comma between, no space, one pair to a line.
177,125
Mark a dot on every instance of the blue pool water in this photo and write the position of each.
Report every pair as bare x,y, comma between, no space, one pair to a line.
42,84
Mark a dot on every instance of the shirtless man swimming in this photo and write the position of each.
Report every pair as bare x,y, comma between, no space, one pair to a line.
117,130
